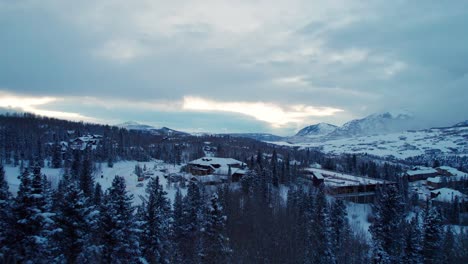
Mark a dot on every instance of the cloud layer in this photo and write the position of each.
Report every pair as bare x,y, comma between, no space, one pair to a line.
268,65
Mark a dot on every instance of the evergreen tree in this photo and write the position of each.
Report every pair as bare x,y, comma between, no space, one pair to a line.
322,251
57,155
449,247
215,247
86,174
340,230
385,229
155,224
73,217
412,250
6,217
97,195
119,242
274,169
75,169
178,228
432,236
189,225
34,221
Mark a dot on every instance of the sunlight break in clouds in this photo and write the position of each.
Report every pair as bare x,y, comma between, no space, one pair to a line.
271,113
31,104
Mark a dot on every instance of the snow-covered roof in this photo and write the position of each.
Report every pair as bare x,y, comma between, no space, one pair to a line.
220,165
453,171
210,178
440,179
336,179
210,161
421,171
447,195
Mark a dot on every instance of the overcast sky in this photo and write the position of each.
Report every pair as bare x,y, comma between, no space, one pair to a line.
234,66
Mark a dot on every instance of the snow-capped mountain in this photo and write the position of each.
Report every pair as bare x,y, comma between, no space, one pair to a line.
445,141
381,123
317,130
164,131
131,125
462,124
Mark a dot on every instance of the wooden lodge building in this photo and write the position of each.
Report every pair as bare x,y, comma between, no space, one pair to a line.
345,186
225,169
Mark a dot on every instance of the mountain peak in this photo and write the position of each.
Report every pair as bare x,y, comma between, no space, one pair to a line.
379,123
461,124
320,129
132,125
394,114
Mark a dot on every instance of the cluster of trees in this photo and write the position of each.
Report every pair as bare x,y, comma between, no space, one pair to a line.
415,239
69,225
273,217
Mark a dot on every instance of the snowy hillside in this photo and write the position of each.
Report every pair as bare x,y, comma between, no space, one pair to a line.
317,130
450,141
105,175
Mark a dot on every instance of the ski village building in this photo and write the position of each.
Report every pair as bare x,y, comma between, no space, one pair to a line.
345,186
213,170
434,175
446,197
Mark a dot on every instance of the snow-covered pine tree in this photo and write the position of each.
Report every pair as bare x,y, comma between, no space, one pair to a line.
449,246
321,232
6,218
189,225
432,235
178,228
386,228
340,230
215,243
97,196
274,169
86,174
34,220
73,218
155,224
118,237
57,155
412,249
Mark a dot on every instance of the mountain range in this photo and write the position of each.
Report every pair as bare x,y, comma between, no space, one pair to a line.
380,123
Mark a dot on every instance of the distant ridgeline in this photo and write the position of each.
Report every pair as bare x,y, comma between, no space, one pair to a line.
28,138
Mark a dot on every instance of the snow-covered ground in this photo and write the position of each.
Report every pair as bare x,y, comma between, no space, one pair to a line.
125,169
12,173
358,217
451,141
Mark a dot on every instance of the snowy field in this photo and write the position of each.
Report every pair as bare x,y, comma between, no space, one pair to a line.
125,169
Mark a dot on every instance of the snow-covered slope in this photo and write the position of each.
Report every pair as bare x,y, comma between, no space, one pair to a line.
105,175
381,123
401,145
317,130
